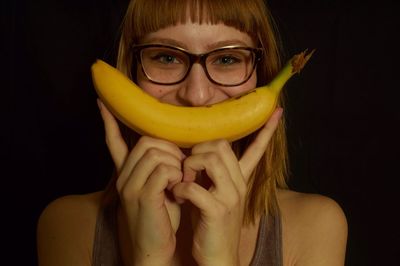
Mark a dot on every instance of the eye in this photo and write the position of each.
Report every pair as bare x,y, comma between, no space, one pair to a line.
226,60
165,58
229,57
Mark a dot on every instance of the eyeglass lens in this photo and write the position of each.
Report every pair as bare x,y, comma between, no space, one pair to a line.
226,66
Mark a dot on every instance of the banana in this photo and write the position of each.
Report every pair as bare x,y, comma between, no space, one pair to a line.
186,126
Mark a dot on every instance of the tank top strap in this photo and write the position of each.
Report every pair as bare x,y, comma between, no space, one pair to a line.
269,242
105,246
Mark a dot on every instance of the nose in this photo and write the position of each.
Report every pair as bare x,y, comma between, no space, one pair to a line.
197,89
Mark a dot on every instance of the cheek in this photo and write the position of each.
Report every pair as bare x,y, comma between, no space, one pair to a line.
248,86
160,92
153,89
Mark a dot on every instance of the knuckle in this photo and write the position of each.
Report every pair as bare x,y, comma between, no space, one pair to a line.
212,158
145,142
162,169
127,191
219,145
152,153
222,145
128,195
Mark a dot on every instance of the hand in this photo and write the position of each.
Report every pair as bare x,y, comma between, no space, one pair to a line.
144,174
219,208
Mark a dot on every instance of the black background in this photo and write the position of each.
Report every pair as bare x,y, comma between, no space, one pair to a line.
342,113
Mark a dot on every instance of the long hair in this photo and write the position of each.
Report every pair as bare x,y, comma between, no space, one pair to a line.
249,16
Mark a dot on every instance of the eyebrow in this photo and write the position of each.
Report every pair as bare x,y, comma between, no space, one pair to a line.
209,47
223,43
165,41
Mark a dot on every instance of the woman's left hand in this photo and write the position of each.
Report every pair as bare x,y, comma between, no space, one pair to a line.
220,205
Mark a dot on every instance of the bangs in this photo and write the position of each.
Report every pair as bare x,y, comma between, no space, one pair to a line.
240,14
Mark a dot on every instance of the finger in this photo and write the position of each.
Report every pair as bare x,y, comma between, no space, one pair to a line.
114,140
145,144
132,182
163,177
215,169
196,194
224,150
257,148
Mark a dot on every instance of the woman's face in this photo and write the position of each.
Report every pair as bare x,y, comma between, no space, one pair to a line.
196,89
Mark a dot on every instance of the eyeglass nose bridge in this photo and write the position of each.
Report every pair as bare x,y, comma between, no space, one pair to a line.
200,59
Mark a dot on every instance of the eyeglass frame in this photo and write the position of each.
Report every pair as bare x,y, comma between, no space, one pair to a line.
196,58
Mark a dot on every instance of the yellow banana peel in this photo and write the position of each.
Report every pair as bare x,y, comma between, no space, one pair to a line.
186,126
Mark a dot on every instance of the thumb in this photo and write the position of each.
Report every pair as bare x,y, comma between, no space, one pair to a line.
256,149
114,140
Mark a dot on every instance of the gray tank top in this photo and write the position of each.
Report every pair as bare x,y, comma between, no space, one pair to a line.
268,251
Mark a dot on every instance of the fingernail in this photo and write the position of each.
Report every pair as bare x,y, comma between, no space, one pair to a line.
178,200
280,112
183,153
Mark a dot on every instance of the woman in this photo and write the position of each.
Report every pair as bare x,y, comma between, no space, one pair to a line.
217,203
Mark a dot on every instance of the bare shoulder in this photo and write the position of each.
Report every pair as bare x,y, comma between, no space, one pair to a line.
65,230
314,229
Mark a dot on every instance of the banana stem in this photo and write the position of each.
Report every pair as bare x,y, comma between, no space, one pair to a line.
293,66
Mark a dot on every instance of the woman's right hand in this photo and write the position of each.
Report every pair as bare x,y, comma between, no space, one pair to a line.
144,174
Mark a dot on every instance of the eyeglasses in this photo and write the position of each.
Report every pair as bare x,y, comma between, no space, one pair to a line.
225,66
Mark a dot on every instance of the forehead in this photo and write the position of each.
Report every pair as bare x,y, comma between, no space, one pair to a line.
199,37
